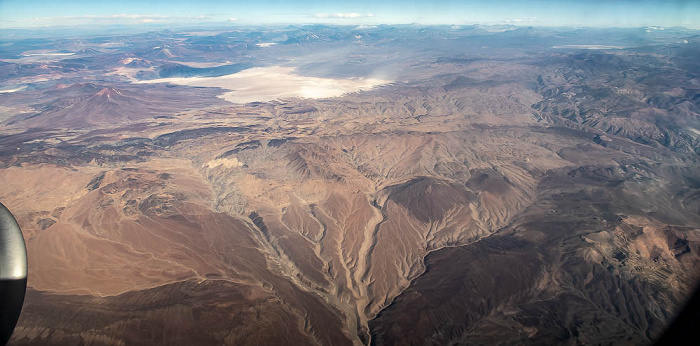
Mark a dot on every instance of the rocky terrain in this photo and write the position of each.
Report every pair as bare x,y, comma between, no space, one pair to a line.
516,193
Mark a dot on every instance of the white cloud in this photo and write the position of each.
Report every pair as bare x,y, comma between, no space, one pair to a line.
118,18
136,16
530,20
350,15
115,16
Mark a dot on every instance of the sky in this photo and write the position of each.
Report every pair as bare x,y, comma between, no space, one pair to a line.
592,13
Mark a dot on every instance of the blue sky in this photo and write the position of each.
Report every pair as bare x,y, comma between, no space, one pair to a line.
596,13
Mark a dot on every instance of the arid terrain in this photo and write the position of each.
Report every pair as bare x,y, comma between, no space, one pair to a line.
508,186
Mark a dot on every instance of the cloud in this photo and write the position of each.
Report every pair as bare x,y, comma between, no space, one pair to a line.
117,18
136,16
111,16
529,20
351,15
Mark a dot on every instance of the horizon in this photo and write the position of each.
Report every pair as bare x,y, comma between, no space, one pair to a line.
38,14
207,29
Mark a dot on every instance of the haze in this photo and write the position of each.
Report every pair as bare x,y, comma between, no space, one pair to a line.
614,13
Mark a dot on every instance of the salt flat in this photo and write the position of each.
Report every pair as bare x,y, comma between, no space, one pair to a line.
272,83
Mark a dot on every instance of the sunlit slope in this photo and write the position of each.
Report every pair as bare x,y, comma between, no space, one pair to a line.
347,219
138,229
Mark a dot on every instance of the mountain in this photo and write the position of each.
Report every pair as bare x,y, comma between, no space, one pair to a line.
86,105
502,185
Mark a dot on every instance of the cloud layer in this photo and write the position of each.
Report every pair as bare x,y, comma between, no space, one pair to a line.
350,15
118,18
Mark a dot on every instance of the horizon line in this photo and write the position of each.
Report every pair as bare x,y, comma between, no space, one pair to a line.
365,25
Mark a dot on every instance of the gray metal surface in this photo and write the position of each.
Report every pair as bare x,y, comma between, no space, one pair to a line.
13,254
